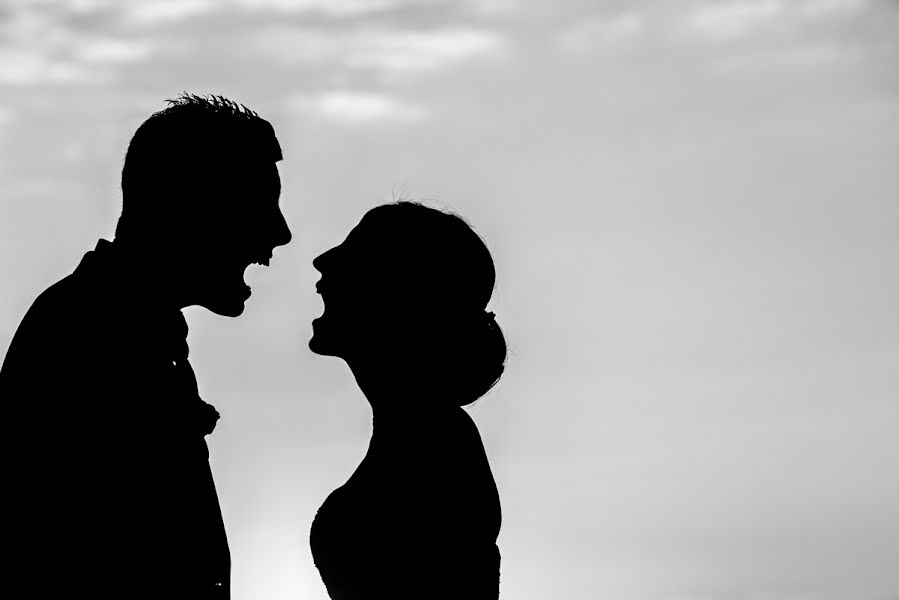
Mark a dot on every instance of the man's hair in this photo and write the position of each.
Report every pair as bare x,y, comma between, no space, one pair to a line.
186,151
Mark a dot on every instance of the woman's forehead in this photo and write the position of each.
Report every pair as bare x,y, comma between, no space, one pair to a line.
374,227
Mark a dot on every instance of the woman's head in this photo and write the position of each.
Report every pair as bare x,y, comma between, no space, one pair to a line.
405,294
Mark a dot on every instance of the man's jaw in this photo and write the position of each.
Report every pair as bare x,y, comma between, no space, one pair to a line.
261,260
229,293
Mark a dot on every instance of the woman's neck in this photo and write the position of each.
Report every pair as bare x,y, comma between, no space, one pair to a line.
405,407
411,418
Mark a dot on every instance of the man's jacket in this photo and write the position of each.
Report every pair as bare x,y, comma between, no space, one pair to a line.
107,485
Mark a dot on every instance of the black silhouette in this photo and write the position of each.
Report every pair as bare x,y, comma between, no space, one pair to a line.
108,487
404,299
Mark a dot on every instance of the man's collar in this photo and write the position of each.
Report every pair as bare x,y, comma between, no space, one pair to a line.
122,272
126,283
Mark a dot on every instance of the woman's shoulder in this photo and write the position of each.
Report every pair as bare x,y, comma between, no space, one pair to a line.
461,473
456,441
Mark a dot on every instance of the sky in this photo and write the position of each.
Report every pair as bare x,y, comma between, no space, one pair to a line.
693,206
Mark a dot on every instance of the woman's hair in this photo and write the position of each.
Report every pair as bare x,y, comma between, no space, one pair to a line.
449,273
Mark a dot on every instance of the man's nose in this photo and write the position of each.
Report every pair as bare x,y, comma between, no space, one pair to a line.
281,232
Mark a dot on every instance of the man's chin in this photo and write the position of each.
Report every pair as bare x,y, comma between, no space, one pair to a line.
228,311
320,343
318,347
228,305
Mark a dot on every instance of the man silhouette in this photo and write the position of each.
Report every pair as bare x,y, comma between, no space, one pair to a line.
107,475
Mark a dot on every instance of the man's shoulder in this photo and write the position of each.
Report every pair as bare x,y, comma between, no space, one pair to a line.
57,297
80,308
54,338
73,301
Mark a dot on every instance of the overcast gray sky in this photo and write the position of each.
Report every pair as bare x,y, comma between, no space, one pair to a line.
694,210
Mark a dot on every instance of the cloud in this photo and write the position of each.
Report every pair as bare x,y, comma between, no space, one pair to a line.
157,12
112,50
597,32
40,48
493,8
418,50
829,8
357,107
800,56
737,19
161,12
22,67
726,21
6,116
132,12
332,8
76,61
376,49
361,8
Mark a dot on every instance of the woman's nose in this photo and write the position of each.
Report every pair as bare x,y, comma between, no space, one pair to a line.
322,259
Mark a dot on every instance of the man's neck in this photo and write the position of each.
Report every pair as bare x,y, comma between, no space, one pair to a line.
155,274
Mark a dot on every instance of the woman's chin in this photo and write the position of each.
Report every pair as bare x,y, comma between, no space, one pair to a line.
321,343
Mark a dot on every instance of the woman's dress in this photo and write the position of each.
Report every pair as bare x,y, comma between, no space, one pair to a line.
418,518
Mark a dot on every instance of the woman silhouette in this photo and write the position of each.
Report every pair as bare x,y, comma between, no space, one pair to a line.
404,299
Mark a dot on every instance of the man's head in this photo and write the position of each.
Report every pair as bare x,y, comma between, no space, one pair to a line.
200,190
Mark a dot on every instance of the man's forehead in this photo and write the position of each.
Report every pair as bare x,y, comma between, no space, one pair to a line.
251,163
250,144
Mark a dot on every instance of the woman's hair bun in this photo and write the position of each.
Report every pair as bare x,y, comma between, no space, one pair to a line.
454,280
